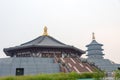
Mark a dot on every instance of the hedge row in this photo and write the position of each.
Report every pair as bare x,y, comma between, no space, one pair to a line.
57,76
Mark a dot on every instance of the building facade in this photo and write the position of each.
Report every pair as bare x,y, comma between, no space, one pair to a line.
36,56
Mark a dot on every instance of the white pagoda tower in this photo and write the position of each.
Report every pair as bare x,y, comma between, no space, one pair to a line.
94,50
95,56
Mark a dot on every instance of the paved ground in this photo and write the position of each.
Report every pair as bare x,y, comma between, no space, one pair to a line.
109,78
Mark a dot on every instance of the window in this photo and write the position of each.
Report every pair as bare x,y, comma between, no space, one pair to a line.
19,71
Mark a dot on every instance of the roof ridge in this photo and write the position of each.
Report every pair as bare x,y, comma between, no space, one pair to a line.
29,41
57,40
41,39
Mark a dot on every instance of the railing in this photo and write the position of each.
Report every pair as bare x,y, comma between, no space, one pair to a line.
62,64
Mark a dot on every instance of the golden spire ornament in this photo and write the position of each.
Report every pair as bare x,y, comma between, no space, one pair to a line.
45,31
93,36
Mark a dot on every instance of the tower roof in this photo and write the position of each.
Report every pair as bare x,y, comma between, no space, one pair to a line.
94,49
44,41
94,42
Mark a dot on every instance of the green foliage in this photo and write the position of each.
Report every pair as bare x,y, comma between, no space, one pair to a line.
117,75
99,75
86,75
57,76
8,78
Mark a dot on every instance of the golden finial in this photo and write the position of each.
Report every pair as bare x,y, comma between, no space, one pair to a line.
93,36
45,31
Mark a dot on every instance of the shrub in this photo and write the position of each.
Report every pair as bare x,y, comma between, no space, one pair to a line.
117,75
99,75
86,75
57,76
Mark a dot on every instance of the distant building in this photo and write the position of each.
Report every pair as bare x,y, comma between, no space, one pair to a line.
44,54
95,56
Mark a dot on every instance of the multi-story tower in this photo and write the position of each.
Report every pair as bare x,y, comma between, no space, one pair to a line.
94,50
95,56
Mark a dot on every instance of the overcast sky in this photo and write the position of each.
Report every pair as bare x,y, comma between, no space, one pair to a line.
69,21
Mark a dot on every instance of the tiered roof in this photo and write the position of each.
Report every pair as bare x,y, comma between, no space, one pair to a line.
44,41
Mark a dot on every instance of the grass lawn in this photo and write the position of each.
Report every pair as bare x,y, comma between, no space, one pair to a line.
85,79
